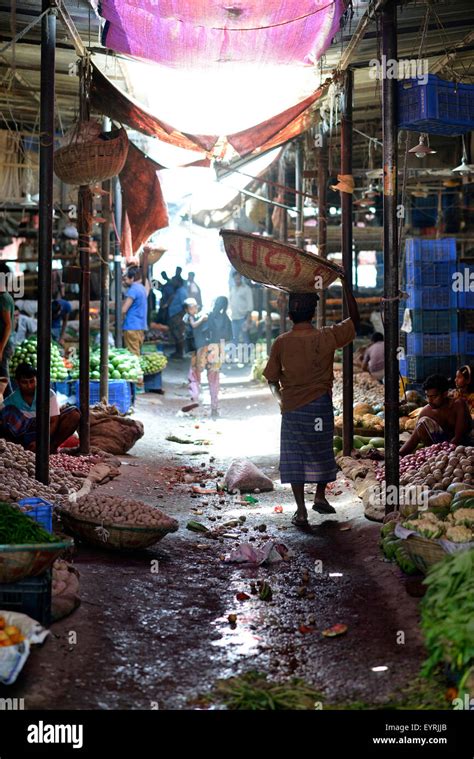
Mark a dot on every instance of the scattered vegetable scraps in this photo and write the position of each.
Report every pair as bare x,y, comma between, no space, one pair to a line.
335,630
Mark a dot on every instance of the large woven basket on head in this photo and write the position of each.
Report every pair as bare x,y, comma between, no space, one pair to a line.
114,537
154,256
93,160
274,264
424,552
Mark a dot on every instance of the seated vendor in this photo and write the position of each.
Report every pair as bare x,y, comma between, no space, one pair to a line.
465,386
374,357
443,419
18,414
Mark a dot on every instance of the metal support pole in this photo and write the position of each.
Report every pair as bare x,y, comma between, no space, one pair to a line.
322,213
45,240
390,248
299,163
105,294
269,231
346,219
118,263
84,215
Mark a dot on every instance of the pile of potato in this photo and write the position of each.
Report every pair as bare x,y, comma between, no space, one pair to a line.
109,509
366,390
17,476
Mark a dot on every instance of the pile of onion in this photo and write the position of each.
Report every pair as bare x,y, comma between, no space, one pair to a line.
436,466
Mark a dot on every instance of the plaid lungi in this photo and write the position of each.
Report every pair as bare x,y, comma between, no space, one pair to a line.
306,452
18,428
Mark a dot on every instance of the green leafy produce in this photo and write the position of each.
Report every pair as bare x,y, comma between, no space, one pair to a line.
18,529
389,546
152,363
447,613
122,365
403,559
26,352
253,692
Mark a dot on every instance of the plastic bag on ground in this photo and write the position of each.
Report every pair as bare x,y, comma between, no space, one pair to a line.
247,553
243,475
13,658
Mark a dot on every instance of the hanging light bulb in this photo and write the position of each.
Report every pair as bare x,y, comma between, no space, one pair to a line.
464,167
422,149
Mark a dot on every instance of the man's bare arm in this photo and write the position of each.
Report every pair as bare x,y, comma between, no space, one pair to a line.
276,390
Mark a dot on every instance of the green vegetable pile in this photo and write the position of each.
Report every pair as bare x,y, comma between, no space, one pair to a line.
447,614
395,549
18,529
253,692
152,363
122,365
26,352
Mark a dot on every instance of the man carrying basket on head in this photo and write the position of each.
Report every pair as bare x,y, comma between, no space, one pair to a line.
300,374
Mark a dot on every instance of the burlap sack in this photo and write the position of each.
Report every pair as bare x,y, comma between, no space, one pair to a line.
114,434
243,475
65,590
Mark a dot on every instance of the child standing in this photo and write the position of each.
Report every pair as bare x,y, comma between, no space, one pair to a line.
219,331
196,343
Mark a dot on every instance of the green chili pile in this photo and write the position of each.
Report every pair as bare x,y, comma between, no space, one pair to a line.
17,529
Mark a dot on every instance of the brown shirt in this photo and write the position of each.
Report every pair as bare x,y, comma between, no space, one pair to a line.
302,361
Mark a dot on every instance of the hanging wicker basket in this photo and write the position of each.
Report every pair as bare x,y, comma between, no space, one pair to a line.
273,264
93,160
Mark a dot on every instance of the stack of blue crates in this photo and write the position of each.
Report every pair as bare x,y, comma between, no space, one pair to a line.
433,346
465,296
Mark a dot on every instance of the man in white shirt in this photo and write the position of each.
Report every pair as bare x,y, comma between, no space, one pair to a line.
241,306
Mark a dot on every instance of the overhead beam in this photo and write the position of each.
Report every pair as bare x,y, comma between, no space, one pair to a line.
359,35
458,47
71,30
21,80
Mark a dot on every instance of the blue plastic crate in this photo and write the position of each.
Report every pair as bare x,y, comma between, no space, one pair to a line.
431,322
420,367
431,297
31,596
421,249
153,382
40,510
427,273
437,107
119,394
419,343
466,300
466,343
65,388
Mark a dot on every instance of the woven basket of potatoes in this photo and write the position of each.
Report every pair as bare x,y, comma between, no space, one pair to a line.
116,523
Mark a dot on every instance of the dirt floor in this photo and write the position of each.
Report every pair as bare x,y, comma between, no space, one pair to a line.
155,635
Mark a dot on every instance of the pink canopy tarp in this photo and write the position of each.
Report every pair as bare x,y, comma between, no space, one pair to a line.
207,33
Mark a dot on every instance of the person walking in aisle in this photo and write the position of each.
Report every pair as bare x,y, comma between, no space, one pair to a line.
241,306
300,374
176,312
219,332
135,311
